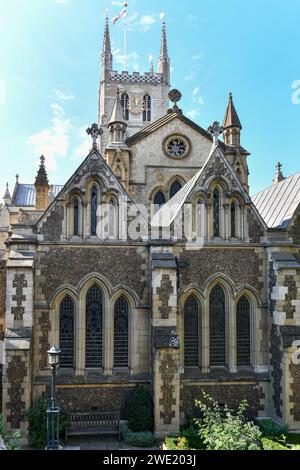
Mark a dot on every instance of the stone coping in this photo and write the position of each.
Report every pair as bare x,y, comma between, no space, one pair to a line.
224,376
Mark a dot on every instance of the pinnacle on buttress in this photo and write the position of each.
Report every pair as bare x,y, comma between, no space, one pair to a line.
42,178
117,114
7,196
232,125
231,118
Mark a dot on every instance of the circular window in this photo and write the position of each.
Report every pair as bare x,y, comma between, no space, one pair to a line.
176,146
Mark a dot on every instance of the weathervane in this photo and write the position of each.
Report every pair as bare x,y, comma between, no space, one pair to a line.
215,130
94,132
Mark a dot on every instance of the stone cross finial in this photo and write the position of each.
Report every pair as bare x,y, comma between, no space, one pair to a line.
279,175
215,130
94,132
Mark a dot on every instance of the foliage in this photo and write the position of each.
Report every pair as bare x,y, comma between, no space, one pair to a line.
269,444
182,444
137,439
37,418
139,410
10,439
226,429
193,437
293,439
271,429
171,443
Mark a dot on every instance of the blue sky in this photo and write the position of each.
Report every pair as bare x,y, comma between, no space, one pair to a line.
49,75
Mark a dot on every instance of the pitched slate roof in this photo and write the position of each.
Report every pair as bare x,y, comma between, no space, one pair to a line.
278,203
24,194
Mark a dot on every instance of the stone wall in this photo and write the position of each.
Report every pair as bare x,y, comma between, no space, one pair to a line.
276,370
2,296
241,265
295,230
230,394
52,227
61,265
85,399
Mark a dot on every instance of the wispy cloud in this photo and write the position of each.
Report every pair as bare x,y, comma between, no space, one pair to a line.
131,59
147,21
61,96
195,91
84,147
189,77
197,57
54,141
193,114
2,92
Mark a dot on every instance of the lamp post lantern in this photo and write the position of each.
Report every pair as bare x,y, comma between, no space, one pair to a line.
53,409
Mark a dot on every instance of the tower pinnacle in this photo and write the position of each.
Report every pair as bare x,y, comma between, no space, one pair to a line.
106,57
232,125
164,60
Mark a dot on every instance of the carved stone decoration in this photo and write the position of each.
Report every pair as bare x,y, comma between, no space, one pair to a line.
44,324
16,372
217,168
136,104
272,283
19,283
164,292
167,371
290,296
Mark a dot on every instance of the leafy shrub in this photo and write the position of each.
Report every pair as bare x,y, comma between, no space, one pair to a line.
37,418
191,434
137,439
226,429
269,444
170,442
139,410
10,439
182,444
271,429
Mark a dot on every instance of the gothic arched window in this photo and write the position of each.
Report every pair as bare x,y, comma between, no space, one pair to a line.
217,326
125,105
216,212
94,328
76,218
233,219
147,108
66,333
94,204
121,332
243,336
175,188
159,199
191,333
112,220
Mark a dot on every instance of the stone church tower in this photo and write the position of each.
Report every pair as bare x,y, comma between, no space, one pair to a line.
144,97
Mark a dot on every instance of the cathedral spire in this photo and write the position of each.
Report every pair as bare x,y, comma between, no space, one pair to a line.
232,125
164,60
106,56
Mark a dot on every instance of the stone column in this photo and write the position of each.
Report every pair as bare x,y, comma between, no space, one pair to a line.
165,346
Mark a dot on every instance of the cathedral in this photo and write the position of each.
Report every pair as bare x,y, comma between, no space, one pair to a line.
129,294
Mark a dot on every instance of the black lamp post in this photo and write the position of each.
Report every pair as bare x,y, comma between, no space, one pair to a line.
53,410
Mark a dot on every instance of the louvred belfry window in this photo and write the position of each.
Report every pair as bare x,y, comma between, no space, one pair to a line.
191,333
94,327
125,105
66,333
147,108
217,327
121,333
243,339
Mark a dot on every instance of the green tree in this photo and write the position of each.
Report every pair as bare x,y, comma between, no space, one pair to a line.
139,410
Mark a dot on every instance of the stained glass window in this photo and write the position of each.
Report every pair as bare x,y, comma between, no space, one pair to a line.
121,333
76,217
66,333
94,333
243,340
191,333
175,188
233,219
125,105
147,108
217,327
94,202
216,212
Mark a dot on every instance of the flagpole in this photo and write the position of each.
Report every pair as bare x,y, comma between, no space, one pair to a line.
125,41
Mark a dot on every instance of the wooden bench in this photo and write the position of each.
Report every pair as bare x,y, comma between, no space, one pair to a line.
93,424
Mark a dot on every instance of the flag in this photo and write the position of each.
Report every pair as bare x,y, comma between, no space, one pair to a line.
120,14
